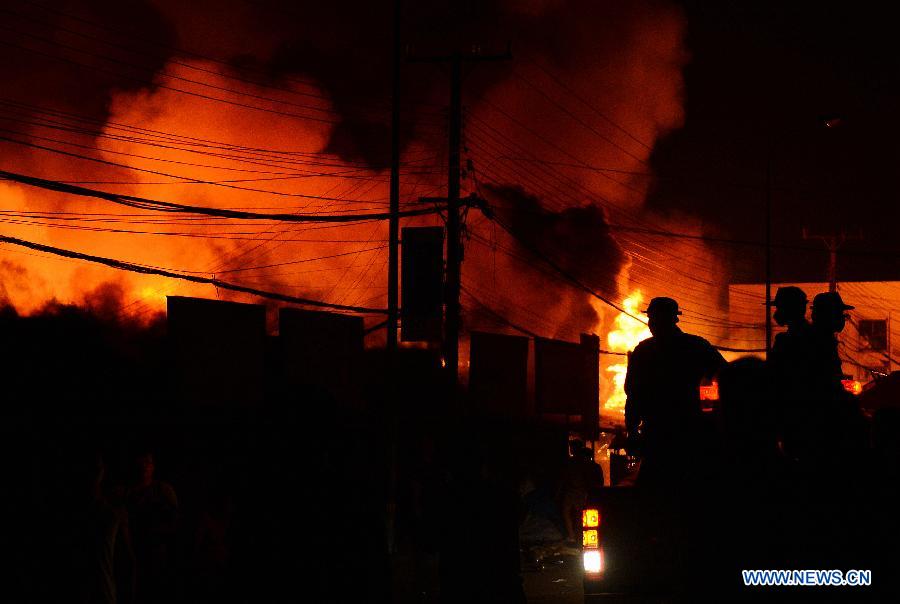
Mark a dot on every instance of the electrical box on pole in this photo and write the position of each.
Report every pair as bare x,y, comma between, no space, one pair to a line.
421,284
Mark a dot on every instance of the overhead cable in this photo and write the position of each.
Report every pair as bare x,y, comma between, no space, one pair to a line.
148,270
166,206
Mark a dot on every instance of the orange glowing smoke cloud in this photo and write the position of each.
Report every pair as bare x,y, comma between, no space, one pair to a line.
203,244
625,62
588,145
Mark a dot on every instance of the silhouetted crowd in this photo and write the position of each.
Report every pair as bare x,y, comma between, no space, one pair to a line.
789,474
305,499
118,487
257,509
113,544
803,397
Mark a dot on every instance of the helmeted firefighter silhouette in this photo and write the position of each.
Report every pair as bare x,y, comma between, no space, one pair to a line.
663,410
791,364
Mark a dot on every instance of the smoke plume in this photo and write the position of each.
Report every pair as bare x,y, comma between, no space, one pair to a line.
296,97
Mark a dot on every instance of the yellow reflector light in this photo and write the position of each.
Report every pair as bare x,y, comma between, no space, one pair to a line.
590,538
593,561
590,518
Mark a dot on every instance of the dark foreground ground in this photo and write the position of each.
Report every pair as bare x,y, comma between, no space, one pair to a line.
555,580
558,581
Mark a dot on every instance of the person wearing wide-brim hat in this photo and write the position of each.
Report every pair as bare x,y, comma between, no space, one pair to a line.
834,424
829,310
791,348
790,304
791,363
829,317
662,386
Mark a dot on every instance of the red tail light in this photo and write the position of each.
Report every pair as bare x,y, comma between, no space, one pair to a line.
590,535
592,554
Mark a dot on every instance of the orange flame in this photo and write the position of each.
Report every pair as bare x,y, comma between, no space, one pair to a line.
627,333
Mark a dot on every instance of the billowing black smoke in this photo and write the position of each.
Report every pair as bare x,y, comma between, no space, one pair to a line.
574,246
72,55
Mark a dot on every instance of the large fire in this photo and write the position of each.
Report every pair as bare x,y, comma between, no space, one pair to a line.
241,118
627,332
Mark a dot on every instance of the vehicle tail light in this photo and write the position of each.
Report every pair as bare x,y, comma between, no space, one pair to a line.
590,541
590,518
593,561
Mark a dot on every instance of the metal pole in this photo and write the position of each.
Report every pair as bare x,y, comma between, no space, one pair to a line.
454,242
832,265
768,248
394,222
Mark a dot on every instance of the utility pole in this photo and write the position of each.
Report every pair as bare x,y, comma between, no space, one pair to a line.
832,244
394,222
393,285
454,233
452,286
768,248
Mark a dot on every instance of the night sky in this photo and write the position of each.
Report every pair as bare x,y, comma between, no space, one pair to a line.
774,70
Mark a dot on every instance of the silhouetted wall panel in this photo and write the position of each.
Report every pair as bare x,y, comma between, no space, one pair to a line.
321,351
217,350
567,378
498,373
590,414
421,285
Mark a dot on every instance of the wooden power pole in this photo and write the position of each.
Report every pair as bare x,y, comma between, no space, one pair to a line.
452,286
832,244
394,222
768,248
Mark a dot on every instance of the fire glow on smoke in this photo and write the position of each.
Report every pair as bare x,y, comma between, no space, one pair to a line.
625,334
223,123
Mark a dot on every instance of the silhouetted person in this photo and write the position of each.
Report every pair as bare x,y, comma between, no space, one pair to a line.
790,363
833,427
480,559
829,318
92,542
748,526
791,349
748,420
581,477
662,386
153,513
211,553
886,498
